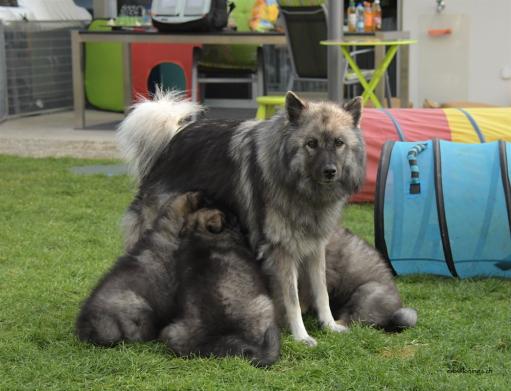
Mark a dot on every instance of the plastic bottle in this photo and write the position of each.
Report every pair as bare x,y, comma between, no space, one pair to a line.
368,18
360,18
377,15
352,17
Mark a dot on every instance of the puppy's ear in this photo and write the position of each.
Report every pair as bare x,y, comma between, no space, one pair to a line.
189,225
195,200
294,107
354,107
185,203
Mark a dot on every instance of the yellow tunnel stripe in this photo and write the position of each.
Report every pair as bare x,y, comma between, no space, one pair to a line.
462,130
495,123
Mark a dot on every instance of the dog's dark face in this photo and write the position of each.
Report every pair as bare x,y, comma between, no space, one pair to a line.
325,143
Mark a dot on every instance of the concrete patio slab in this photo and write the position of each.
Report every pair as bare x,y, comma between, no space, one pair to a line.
53,135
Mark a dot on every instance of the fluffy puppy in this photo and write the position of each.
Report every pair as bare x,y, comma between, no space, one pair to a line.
224,307
360,285
134,299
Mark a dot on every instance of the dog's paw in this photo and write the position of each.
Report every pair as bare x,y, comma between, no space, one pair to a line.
307,340
337,327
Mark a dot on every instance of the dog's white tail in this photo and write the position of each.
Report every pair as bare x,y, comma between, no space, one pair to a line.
150,126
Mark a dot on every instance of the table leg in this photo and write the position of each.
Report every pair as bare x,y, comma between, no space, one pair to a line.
197,51
126,60
404,64
379,55
78,80
367,91
380,72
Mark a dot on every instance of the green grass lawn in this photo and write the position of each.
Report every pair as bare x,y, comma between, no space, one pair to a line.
59,232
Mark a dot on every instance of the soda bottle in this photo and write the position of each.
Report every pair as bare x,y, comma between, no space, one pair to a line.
360,18
352,17
368,18
377,15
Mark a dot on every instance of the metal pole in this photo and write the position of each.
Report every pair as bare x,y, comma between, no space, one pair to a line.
335,62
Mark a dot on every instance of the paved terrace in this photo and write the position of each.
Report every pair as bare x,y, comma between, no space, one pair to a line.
53,134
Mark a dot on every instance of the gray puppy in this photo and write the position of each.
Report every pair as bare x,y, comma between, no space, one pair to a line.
189,272
360,285
286,179
223,306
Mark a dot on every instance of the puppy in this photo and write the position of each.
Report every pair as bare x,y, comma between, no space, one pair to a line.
224,307
135,298
360,285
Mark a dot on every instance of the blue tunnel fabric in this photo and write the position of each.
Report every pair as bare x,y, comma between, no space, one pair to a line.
506,175
464,215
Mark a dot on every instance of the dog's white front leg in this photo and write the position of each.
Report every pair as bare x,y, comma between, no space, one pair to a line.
315,266
283,272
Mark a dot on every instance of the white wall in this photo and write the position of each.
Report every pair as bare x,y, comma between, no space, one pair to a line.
484,59
104,8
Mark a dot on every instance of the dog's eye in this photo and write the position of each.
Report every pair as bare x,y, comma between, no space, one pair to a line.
312,143
338,142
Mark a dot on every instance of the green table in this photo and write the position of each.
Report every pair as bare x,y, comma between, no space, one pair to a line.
380,69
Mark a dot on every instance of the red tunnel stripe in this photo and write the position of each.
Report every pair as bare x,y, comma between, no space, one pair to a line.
377,128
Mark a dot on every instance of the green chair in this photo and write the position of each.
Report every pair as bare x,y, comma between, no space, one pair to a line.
104,87
230,63
268,105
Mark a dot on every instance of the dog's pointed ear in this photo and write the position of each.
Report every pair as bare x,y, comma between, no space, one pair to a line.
294,106
354,107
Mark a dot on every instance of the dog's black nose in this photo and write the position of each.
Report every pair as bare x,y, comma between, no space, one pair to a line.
329,171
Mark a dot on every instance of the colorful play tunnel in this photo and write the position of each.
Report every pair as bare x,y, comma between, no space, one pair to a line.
443,208
474,125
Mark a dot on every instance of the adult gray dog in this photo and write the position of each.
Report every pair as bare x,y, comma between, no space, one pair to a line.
285,178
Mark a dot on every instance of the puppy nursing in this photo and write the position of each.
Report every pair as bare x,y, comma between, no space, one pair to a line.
133,300
224,307
192,273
